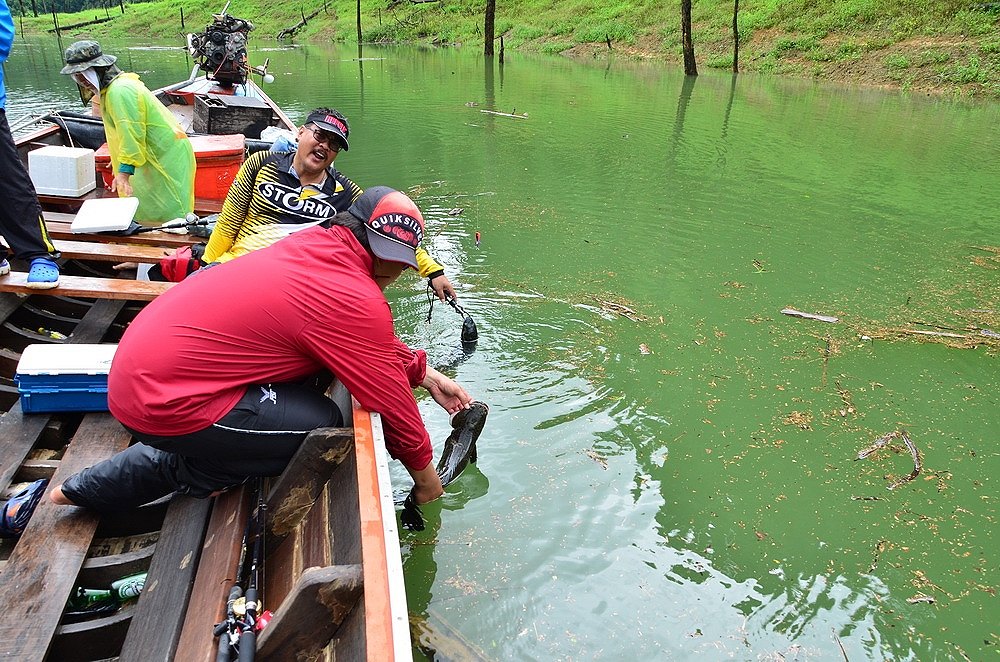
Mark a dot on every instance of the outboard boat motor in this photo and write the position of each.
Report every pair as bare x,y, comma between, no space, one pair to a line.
221,50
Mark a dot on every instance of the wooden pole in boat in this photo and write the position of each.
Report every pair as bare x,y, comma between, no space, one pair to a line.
121,3
55,20
182,18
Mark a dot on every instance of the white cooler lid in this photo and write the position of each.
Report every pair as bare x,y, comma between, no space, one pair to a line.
104,215
70,359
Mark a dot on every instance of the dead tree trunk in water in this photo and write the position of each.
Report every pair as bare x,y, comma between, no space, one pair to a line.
359,21
736,38
690,68
491,10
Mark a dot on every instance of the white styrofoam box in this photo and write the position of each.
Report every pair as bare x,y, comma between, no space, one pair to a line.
67,171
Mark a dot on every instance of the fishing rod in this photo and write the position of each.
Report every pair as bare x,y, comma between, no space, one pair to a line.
27,120
226,630
248,636
135,228
175,224
238,632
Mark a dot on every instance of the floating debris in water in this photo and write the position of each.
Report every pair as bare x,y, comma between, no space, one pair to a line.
620,309
883,441
921,598
937,334
644,349
512,113
810,316
596,457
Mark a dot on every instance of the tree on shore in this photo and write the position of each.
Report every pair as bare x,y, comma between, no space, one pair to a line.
690,68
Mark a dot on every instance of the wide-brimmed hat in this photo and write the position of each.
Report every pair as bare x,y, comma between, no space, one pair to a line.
84,55
394,224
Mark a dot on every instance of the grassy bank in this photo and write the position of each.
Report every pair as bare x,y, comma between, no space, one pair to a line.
949,47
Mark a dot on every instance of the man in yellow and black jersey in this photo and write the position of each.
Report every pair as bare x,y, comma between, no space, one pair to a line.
277,194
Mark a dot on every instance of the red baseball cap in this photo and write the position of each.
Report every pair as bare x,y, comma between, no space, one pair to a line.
395,226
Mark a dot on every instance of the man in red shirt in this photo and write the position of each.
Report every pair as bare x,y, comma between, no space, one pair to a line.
211,377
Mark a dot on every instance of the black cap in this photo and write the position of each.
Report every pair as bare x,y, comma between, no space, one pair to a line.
332,123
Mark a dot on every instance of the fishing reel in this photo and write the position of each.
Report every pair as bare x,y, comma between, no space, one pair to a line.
221,50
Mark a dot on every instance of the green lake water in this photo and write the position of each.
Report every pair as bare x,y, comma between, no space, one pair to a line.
668,471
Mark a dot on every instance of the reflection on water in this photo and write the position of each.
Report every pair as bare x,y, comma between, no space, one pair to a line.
667,471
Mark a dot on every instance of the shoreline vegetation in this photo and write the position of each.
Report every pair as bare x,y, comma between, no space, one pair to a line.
948,48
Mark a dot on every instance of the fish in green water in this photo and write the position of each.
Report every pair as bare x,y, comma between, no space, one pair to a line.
460,446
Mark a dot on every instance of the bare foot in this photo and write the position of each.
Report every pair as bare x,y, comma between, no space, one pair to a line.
125,266
56,496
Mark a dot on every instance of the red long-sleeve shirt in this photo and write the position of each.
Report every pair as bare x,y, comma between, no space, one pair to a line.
277,314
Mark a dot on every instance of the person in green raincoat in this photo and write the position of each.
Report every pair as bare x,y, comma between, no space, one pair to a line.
151,154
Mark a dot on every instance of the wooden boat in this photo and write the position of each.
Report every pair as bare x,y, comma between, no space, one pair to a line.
333,567
334,573
209,107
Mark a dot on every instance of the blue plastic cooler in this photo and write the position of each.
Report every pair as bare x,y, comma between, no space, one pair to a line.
70,377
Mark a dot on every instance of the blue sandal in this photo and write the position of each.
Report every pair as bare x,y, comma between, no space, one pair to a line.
43,274
17,511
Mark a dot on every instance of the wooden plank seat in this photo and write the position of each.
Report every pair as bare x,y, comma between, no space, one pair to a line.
89,287
58,225
321,599
67,204
103,251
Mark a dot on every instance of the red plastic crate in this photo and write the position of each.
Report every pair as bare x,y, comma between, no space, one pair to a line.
217,160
